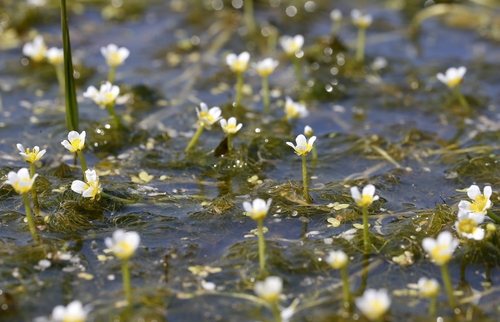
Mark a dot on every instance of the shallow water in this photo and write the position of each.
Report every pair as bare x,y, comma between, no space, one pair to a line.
193,215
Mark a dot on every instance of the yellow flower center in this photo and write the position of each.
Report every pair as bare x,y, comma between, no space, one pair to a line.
76,144
123,250
440,254
377,309
70,318
206,117
366,200
32,155
23,185
479,204
454,81
467,226
256,215
114,59
239,66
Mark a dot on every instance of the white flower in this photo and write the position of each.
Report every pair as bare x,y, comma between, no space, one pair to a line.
55,56
467,226
479,206
265,67
208,117
428,287
294,109
238,63
303,146
29,155
37,3
114,56
123,244
258,208
75,142
337,259
374,303
336,15
230,126
36,49
106,95
308,131
366,198
269,289
74,312
453,76
292,45
88,189
21,181
379,63
442,248
360,20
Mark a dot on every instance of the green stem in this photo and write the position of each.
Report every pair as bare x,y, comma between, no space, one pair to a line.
314,153
195,138
249,21
116,119
366,233
448,286
60,77
29,216
307,198
83,163
345,285
462,99
360,49
335,28
127,201
265,88
239,88
296,66
111,75
34,195
262,244
493,216
126,281
229,143
432,305
276,311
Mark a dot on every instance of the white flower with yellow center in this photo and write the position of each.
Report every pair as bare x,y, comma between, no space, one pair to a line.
337,259
258,208
336,15
106,95
441,249
74,312
308,131
292,45
36,49
428,287
265,67
480,203
207,117
360,20
88,189
238,64
123,244
114,56
55,56
75,141
21,181
366,198
453,76
467,226
374,303
230,126
303,146
31,156
294,110
269,289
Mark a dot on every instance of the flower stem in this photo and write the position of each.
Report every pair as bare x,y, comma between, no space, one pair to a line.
249,21
111,75
229,143
493,216
262,244
307,198
462,99
34,195
116,119
126,281
60,77
366,233
83,163
195,138
296,66
265,88
314,153
360,48
29,216
276,311
127,201
345,285
432,305
239,87
448,286
335,28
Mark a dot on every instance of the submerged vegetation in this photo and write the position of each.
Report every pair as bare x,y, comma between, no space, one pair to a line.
227,224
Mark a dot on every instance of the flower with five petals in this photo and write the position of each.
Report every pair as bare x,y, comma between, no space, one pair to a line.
303,146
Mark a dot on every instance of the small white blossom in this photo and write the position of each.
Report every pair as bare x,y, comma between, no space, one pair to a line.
442,248
294,109
31,156
366,198
265,67
75,141
303,146
258,208
337,259
207,117
269,289
123,244
336,15
479,206
230,126
308,131
55,56
21,180
360,20
74,312
428,287
114,56
36,49
453,76
467,226
88,189
374,303
238,64
106,95
292,45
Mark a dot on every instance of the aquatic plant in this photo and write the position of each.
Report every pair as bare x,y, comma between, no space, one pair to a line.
270,291
364,200
238,64
303,148
452,78
265,68
206,118
36,49
114,57
31,156
292,46
75,144
294,110
73,312
336,17
229,127
429,287
339,260
374,303
106,97
91,188
257,210
362,22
